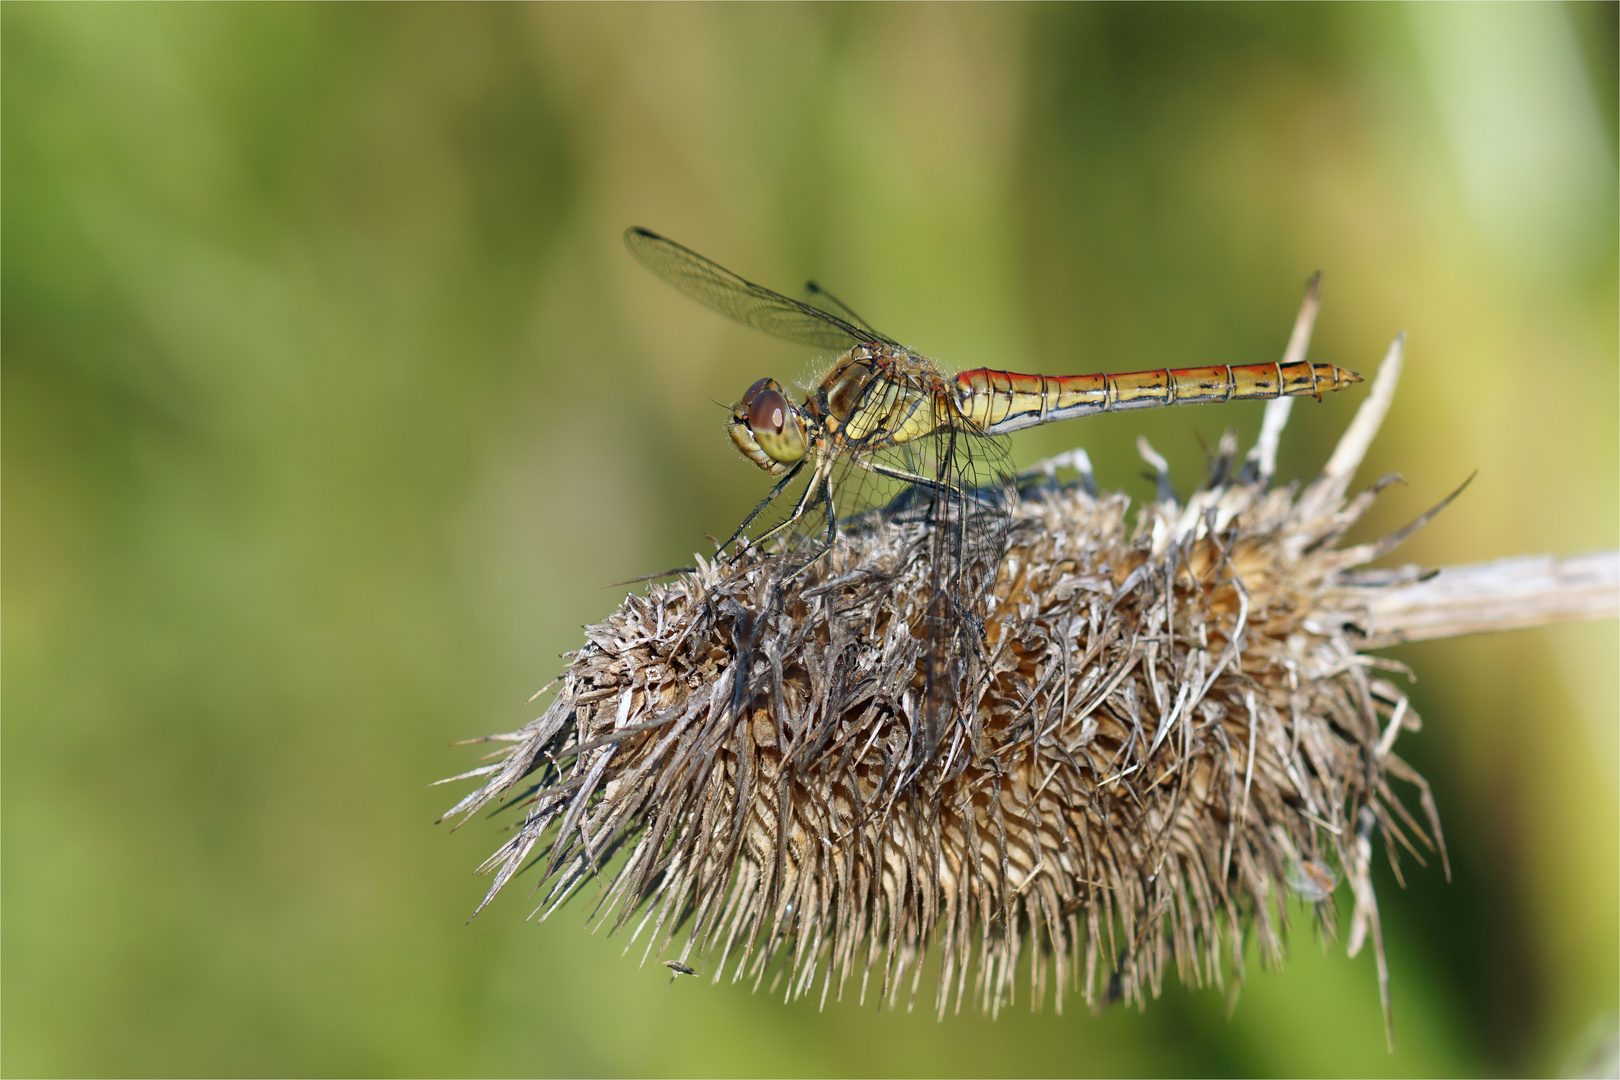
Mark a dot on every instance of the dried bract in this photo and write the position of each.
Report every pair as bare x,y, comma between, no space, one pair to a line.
1170,733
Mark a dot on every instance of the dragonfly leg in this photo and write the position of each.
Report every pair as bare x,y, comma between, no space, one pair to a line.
961,496
832,525
781,485
910,478
818,483
832,512
959,533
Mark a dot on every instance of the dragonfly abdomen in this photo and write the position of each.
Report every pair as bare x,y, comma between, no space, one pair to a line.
1002,401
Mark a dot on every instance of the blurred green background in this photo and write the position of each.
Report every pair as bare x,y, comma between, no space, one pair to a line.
332,403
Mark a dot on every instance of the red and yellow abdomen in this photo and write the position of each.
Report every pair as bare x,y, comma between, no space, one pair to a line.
1002,401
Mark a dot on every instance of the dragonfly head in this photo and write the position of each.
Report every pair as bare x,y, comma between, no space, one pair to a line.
767,429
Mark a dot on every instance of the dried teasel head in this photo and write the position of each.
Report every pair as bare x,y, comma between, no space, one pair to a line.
1173,733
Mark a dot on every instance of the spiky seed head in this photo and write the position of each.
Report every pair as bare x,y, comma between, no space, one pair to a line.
1171,735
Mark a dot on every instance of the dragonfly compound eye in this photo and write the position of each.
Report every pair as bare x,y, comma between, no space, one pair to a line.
773,426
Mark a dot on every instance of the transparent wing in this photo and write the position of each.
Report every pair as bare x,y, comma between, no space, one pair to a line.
815,290
738,298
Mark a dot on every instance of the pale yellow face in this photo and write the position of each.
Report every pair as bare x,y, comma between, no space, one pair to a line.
766,429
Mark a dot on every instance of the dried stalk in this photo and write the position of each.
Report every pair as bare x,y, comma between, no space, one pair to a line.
1508,594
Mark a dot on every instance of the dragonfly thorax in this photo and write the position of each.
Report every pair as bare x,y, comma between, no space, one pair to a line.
767,428
879,396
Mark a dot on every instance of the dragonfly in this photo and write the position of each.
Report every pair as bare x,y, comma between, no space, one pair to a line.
886,417
879,398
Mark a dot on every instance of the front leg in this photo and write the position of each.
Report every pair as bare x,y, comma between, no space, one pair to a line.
818,484
781,485
832,526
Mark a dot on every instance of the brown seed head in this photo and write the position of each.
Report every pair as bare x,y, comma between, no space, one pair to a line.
1171,733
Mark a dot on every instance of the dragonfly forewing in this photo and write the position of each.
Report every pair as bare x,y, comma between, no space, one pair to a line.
735,297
